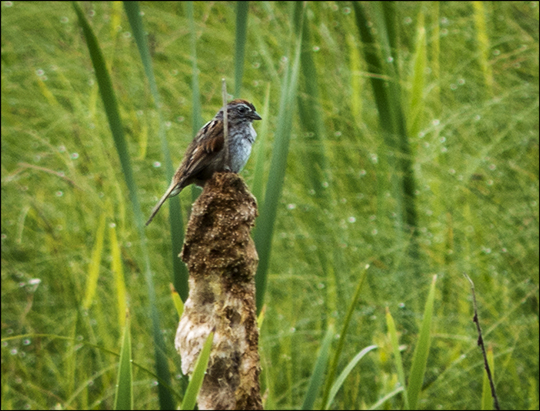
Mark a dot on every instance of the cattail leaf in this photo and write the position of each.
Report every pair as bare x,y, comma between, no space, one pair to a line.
123,399
111,109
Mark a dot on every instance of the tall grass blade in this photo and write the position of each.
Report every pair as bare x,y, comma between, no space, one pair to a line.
242,9
356,80
483,44
386,88
318,372
196,95
421,352
118,272
180,274
195,384
314,162
95,261
311,119
397,356
391,394
178,304
416,96
260,151
265,225
487,398
343,333
435,53
345,373
124,387
195,91
111,109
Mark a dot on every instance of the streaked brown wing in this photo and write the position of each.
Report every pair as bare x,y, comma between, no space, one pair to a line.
206,145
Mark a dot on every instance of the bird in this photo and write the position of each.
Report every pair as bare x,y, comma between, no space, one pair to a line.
206,154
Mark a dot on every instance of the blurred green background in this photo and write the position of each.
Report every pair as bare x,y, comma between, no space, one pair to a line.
464,78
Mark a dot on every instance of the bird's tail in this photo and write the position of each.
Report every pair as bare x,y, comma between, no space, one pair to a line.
167,194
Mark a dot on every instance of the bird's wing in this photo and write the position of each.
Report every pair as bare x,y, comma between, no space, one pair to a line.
207,144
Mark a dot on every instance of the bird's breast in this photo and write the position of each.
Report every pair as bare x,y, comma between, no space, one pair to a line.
240,148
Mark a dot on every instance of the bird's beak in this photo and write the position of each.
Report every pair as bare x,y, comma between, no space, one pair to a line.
256,116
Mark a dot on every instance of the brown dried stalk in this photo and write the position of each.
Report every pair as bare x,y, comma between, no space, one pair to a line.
222,262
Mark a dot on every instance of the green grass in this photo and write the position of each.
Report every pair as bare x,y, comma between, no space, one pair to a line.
467,78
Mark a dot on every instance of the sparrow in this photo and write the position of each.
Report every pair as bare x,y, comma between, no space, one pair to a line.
206,154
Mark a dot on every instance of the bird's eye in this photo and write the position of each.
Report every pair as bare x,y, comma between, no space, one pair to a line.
243,109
